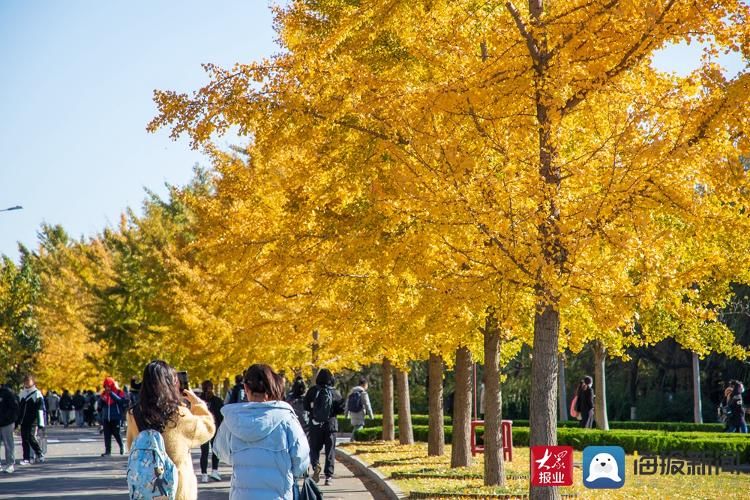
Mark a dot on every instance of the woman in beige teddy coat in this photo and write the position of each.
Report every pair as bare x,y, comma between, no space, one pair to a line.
159,407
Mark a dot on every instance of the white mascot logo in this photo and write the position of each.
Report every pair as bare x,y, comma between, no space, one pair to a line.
603,465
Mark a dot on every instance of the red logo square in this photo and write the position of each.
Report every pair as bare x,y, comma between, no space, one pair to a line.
551,465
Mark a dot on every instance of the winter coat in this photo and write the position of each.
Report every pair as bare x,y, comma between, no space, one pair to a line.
31,411
358,417
235,395
195,426
298,405
53,402
79,401
8,407
112,411
66,402
215,404
337,408
736,413
585,402
266,447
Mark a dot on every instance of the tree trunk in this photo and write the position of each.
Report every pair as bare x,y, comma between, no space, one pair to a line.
389,432
633,387
562,399
697,407
543,421
436,432
600,382
494,468
461,442
554,255
405,433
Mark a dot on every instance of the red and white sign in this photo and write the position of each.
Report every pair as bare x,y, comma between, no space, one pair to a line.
551,465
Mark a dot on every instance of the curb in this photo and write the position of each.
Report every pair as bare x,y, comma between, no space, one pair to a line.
389,488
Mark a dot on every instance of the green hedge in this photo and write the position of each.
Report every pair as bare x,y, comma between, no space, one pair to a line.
646,426
420,433
630,440
345,425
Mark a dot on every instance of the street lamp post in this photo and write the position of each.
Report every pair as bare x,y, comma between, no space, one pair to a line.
17,207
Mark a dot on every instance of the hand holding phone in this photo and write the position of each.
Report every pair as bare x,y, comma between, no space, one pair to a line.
192,398
182,377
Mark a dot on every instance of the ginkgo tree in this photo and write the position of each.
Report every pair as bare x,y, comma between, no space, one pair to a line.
540,126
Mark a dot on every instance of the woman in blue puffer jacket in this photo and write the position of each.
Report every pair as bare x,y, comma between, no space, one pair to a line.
262,440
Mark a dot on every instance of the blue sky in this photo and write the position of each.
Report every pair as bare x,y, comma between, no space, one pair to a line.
76,82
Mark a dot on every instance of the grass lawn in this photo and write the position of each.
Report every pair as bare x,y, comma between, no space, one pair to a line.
414,471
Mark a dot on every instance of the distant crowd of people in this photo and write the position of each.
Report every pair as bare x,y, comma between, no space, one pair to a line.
270,436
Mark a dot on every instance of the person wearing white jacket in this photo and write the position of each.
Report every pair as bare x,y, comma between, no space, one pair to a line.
358,405
30,416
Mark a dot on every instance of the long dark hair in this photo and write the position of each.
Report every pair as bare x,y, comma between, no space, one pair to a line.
325,377
207,389
159,400
261,379
298,388
585,380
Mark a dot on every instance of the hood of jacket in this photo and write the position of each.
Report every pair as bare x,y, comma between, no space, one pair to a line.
109,383
252,422
26,391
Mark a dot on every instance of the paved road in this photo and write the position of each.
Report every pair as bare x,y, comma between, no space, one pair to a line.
74,469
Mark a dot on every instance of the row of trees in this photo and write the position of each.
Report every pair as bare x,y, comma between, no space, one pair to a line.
439,180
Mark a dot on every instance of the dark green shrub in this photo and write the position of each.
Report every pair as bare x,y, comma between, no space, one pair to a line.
631,440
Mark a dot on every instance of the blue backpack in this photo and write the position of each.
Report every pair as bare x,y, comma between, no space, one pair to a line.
151,473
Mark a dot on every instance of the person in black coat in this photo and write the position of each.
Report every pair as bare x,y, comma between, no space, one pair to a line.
79,401
66,407
585,402
214,404
8,417
30,416
735,409
237,393
323,403
296,399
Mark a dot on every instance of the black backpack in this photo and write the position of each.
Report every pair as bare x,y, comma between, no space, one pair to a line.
354,403
323,405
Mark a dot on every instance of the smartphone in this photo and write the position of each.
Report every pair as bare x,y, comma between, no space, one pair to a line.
182,377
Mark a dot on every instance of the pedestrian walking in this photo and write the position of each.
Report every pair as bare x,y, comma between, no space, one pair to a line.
135,389
79,401
585,402
66,408
89,408
263,440
736,410
160,408
214,404
8,417
237,393
53,407
30,417
112,402
358,405
296,399
323,403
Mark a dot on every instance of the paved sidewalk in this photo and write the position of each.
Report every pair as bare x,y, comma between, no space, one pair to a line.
74,469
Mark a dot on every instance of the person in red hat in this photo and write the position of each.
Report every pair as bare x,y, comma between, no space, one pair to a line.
112,402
